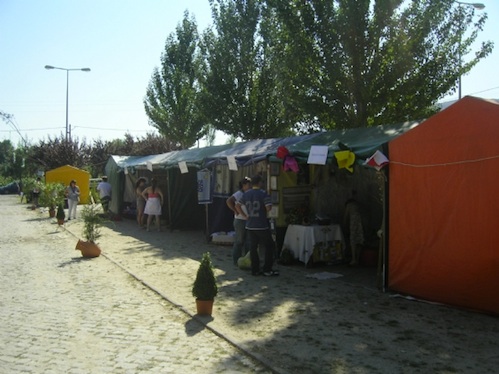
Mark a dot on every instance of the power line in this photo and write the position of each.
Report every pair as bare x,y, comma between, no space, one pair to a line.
488,89
9,118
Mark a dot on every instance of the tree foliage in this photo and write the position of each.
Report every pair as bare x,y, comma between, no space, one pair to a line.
171,101
242,90
57,151
358,63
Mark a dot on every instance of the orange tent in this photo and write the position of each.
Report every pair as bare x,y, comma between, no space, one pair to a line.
443,238
65,174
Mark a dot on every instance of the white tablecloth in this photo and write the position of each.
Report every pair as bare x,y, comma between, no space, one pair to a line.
302,239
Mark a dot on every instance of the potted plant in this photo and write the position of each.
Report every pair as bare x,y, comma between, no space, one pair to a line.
52,195
92,222
205,286
60,215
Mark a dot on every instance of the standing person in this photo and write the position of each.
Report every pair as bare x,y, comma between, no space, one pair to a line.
140,186
240,217
105,193
258,204
73,195
154,200
35,194
353,227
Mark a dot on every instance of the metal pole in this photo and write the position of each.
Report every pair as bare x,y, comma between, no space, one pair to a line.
67,104
50,67
478,6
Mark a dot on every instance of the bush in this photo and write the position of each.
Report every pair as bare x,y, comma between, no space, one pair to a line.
92,223
205,285
52,195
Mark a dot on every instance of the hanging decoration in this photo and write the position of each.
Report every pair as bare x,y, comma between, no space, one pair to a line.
377,160
289,162
318,155
345,160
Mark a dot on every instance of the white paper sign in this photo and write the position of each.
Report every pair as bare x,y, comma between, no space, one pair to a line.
126,170
231,160
149,165
183,167
318,155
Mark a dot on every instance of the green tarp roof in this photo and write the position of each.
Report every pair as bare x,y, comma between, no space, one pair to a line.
361,141
193,157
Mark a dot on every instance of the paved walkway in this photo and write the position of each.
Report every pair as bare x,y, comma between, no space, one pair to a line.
60,313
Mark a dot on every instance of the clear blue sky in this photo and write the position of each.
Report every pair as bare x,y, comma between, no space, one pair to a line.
121,41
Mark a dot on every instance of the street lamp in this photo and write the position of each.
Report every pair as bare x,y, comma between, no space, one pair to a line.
49,67
478,6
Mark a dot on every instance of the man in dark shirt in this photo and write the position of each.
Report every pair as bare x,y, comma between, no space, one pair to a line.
258,204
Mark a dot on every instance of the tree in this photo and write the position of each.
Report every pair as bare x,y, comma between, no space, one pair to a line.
55,152
242,93
356,63
171,101
8,158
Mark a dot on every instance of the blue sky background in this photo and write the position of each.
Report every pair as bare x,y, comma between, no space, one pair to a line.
121,41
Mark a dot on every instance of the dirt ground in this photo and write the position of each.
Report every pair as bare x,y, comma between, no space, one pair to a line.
298,324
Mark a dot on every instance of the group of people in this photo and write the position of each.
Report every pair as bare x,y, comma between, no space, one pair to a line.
149,202
72,194
251,205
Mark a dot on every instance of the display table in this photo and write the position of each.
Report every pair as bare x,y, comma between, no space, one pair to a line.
326,243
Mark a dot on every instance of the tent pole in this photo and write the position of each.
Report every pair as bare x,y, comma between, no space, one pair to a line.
207,229
169,198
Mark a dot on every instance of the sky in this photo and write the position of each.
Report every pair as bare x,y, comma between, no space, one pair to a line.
121,41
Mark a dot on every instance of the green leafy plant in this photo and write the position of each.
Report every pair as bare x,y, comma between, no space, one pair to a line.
52,195
92,222
60,215
205,285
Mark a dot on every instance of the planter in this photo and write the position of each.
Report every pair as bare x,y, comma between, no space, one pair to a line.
88,249
204,307
60,222
51,213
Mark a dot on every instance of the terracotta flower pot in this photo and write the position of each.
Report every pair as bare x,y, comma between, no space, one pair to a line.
88,249
204,307
60,222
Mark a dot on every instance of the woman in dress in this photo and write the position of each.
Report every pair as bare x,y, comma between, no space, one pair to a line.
140,186
154,200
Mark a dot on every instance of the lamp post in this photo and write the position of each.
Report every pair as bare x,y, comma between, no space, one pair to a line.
50,67
478,6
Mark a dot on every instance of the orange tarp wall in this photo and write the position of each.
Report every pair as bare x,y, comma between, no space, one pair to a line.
65,174
443,242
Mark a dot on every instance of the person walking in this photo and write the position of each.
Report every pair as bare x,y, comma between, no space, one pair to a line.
258,204
105,192
140,186
240,215
35,194
73,196
154,200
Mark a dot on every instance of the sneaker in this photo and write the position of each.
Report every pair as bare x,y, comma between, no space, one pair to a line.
272,273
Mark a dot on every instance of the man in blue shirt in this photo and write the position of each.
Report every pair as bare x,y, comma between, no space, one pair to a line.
258,204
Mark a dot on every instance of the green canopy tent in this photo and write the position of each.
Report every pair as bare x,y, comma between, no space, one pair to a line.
183,210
